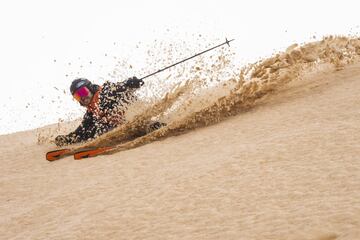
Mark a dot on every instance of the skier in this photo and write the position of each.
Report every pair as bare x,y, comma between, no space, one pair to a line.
105,108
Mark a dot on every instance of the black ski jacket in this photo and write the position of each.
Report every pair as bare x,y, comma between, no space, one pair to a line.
110,106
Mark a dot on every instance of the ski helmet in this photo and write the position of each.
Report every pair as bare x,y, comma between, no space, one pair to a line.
78,83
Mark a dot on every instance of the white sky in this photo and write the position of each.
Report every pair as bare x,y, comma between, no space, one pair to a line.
35,33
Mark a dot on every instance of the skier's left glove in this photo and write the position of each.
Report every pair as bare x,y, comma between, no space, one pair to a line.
134,82
62,140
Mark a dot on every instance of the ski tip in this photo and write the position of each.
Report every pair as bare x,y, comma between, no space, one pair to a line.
56,154
81,155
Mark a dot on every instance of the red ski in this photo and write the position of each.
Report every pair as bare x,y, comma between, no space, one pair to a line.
91,153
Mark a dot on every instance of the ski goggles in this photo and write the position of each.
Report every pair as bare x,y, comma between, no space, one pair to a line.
81,92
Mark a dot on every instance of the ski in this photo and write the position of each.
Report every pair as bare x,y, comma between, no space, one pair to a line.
92,152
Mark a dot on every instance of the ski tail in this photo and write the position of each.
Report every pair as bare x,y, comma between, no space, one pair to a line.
91,153
57,154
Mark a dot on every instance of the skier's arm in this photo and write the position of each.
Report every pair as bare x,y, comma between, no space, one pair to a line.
85,131
129,84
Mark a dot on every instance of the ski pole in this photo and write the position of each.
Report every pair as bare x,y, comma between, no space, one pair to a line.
226,42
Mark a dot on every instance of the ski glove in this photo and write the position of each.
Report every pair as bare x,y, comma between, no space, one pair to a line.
134,82
62,140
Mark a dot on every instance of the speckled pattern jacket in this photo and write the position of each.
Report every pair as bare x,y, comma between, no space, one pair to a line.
105,111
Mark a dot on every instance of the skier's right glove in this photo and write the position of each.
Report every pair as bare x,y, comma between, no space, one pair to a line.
62,140
134,82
